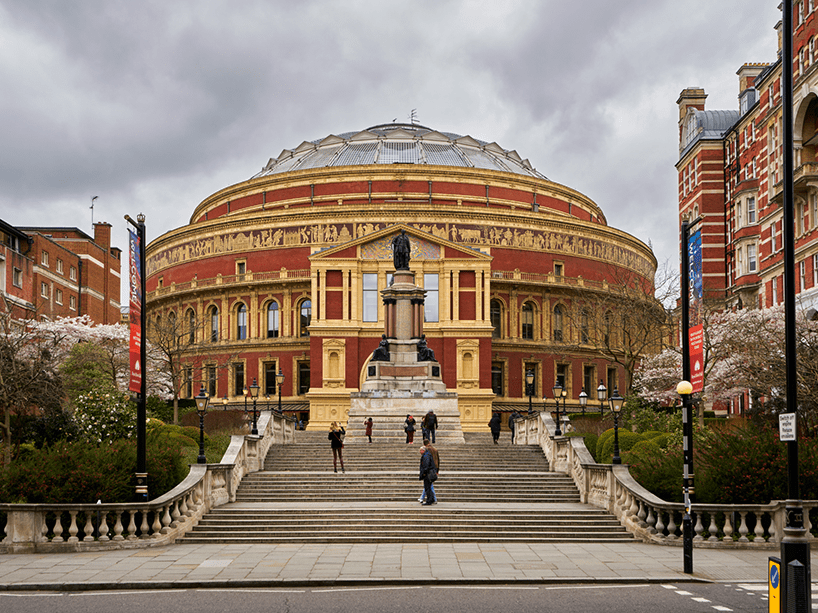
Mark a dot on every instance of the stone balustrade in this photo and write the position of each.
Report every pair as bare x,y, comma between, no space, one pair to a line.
30,528
648,517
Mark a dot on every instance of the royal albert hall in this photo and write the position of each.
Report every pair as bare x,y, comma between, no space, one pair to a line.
281,273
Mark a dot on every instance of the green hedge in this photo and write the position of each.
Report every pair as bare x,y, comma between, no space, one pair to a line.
76,472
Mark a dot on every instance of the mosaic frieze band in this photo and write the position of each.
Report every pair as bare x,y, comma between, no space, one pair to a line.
336,234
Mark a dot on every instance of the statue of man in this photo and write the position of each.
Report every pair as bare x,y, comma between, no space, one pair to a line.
381,353
401,250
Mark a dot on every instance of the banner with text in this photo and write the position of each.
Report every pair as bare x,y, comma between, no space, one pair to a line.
135,311
696,331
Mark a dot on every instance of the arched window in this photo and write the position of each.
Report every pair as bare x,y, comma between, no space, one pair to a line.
527,328
584,332
213,316
191,327
304,318
558,323
496,315
272,320
241,322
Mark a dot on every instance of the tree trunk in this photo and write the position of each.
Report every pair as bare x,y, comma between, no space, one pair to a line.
7,439
175,410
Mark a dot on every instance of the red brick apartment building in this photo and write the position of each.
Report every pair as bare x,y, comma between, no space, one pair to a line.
730,174
61,272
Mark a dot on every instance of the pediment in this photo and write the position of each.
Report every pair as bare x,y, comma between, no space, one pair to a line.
435,136
364,135
331,140
426,245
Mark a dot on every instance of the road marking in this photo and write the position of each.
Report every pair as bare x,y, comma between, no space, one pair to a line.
368,589
253,589
669,587
596,587
684,593
721,608
484,587
700,599
131,593
30,595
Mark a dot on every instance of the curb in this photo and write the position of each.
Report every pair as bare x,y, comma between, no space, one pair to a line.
316,583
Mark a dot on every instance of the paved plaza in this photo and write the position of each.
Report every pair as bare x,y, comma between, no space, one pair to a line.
233,565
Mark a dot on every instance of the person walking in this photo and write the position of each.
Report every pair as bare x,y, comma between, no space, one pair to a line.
368,424
494,425
429,425
336,440
427,468
512,422
436,459
409,428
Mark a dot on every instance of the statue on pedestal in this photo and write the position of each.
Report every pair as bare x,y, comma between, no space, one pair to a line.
381,353
401,249
424,353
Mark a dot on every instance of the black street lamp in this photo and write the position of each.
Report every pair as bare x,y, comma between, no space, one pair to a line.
254,393
615,403
529,388
201,408
583,400
602,394
279,384
685,389
557,389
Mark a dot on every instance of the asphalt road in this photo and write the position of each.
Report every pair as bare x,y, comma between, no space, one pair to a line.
636,598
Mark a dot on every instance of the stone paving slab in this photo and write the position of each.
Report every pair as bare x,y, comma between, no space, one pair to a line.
190,565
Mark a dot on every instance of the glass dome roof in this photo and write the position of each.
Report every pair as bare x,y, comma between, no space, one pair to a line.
399,143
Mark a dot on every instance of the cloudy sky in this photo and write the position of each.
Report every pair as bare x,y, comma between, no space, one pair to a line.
153,106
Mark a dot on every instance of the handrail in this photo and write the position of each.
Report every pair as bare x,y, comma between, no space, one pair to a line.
36,528
646,516
237,279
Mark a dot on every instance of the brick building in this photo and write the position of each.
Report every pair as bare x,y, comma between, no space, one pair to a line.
730,173
283,272
62,272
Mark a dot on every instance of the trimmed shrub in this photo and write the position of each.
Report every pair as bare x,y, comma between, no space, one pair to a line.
75,472
658,471
104,415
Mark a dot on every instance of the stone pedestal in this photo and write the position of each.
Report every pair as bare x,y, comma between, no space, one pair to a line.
403,385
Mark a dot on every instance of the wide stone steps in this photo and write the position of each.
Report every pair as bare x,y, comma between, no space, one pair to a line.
421,525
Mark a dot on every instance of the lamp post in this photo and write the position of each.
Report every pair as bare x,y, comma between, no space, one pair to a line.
529,388
201,408
583,400
280,384
615,403
602,393
685,389
557,389
254,393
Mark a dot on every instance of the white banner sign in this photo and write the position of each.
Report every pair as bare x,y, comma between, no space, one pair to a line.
786,426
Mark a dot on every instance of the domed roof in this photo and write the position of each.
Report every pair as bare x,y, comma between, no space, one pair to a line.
399,143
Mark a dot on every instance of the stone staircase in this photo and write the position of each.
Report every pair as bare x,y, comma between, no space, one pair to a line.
486,493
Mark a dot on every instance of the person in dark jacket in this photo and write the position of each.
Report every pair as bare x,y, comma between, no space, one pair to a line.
436,459
512,423
494,425
409,428
368,424
427,465
337,444
429,425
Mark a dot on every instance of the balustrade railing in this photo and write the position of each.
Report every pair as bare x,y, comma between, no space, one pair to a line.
82,527
648,517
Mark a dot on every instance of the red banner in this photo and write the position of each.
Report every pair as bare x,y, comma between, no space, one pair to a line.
697,357
135,312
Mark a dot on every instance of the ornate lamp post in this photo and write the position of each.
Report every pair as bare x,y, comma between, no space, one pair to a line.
583,400
616,401
557,389
254,393
201,408
602,394
529,388
280,384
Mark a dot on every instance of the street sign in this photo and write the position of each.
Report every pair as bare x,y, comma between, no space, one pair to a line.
774,584
786,426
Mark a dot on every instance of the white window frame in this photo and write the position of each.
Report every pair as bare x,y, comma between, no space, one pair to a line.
58,296
774,291
59,266
751,207
17,277
802,275
773,239
44,258
72,273
72,303
44,289
739,262
752,258
815,269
